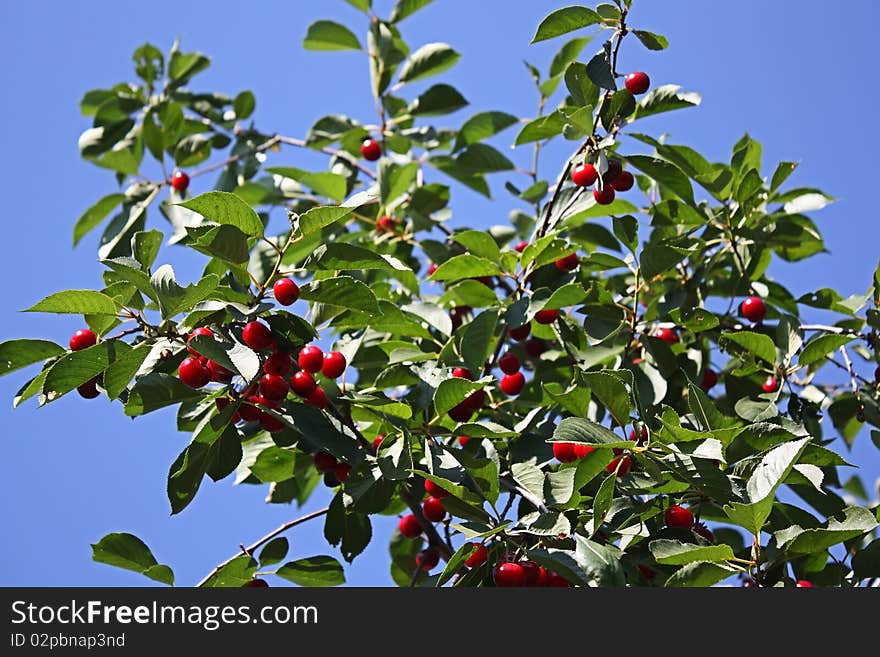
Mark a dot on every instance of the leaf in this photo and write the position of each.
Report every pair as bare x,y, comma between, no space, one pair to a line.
666,98
456,562
541,128
234,574
339,256
274,464
325,183
77,302
676,553
465,266
866,562
317,218
452,392
274,551
351,531
243,105
430,59
131,553
478,159
851,523
76,367
700,574
173,298
328,35
479,339
482,126
15,354
566,55
613,394
226,208
599,69
652,41
479,243
145,246
344,292
755,343
666,174
656,260
95,215
581,430
817,348
225,242
313,571
438,100
807,203
565,20
405,8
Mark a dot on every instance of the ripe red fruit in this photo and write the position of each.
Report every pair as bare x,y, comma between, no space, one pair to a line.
705,532
547,316
543,577
222,403
324,462
877,375
208,333
509,574
512,384
279,363
709,380
753,309
535,347
509,363
256,584
640,439
427,559
434,490
678,516
218,373
409,526
461,412
615,168
82,339
311,359
457,316
582,449
270,423
386,224
462,373
377,442
371,150
667,335
478,556
303,384
637,82
604,196
804,584
568,263
584,175
193,373
274,387
341,471
179,181
565,452
555,579
625,465
257,336
521,246
432,269
532,572
334,365
286,291
522,332
770,384
463,440
623,182
248,412
89,389
318,399
433,509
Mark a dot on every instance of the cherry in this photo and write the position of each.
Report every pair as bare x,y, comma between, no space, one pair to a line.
804,584
311,359
770,384
462,373
532,572
318,399
286,291
222,403
434,490
193,373
179,181
509,574
623,182
409,526
427,559
256,583
334,365
342,471
278,363
461,412
705,532
457,316
478,556
386,224
584,175
753,309
615,168
303,384
604,196
667,335
520,333
271,423
565,452
647,573
432,269
82,339
640,439
582,449
568,263
274,387
218,373
89,389
324,462
535,347
547,316
521,246
637,82
463,440
554,579
877,375
625,465
512,384
509,363
543,576
433,509
208,333
678,516
377,442
257,336
709,380
248,412
371,150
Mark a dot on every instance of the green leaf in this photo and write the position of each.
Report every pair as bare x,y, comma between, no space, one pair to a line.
666,174
817,348
313,571
325,183
438,100
666,98
456,562
15,354
351,531
781,174
613,394
479,243
541,128
581,430
131,553
340,256
603,499
430,59
479,339
173,298
76,367
77,302
225,242
851,523
565,20
566,295
866,562
226,208
236,573
145,245
243,105
599,69
452,392
405,8
658,259
328,35
95,215
478,159
482,126
755,343
317,218
274,551
465,266
700,574
363,5
652,41
566,55
343,292
157,390
274,464
120,372
676,553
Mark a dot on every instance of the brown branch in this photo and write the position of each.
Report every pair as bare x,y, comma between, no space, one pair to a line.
343,155
266,145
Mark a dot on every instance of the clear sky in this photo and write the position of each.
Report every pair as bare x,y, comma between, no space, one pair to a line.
798,76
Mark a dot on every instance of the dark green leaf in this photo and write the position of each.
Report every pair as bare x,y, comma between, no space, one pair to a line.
313,571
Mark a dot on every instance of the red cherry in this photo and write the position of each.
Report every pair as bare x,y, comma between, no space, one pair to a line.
334,365
433,509
678,516
341,471
565,452
371,150
409,526
554,579
208,333
877,375
386,224
274,387
584,175
475,400
520,333
509,574
461,412
256,584
427,559
547,316
462,373
377,442
705,532
623,182
709,380
248,412
770,384
279,363
324,462
509,363
532,571
457,315
604,196
521,246
647,573
193,373
286,291
637,82
218,373
303,384
434,490
311,359
512,384
478,556
318,399
667,335
179,181
543,576
83,339
615,168
625,465
804,584
89,389
640,439
432,269
257,336
222,403
271,423
581,450
753,309
463,440
568,263
535,347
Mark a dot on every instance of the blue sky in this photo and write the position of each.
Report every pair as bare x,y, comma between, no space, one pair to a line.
794,75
